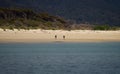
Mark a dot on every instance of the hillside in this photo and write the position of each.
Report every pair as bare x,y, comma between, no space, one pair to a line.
81,11
27,19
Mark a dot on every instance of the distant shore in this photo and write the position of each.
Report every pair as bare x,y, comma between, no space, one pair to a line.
58,36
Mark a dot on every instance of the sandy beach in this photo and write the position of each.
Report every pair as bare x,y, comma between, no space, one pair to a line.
49,36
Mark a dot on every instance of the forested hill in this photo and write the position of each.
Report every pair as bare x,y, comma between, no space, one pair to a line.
82,11
11,18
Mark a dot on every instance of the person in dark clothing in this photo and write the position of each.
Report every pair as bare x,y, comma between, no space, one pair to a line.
64,37
55,36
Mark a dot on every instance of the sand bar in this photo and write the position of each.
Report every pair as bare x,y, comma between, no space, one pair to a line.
49,36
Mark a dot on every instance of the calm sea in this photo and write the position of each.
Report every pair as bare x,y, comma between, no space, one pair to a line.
60,58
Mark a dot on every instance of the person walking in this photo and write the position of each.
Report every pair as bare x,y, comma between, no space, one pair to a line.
55,36
64,37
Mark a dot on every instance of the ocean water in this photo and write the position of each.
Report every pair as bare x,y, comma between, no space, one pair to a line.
60,58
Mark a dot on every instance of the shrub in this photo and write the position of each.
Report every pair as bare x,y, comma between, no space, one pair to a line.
102,27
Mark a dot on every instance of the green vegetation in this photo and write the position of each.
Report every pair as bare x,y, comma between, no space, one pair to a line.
13,18
105,27
27,19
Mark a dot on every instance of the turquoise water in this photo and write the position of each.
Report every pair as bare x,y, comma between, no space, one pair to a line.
60,58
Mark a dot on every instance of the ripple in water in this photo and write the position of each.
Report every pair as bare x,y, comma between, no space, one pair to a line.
60,58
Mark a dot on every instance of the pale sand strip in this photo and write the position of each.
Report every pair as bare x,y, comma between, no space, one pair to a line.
49,36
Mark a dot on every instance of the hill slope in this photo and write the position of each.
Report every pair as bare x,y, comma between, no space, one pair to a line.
82,11
28,19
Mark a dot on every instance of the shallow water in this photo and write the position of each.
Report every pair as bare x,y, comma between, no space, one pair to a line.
60,58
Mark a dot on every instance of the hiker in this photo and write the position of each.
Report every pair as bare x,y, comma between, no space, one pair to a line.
64,37
55,36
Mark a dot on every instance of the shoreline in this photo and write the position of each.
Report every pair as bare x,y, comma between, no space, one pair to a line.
55,41
46,36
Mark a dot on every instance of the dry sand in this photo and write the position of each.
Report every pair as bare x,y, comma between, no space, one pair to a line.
49,36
